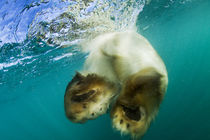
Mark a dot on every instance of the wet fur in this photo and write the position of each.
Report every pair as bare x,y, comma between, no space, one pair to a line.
141,91
128,68
84,95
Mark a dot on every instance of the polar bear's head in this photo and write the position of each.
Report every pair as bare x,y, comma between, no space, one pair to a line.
87,97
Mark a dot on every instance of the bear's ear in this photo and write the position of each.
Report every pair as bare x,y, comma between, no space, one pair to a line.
78,77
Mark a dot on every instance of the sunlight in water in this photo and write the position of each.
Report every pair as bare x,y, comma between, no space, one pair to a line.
40,52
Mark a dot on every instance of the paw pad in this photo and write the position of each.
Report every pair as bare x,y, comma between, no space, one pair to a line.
128,125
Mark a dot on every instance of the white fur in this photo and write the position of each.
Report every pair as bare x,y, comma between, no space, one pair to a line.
134,51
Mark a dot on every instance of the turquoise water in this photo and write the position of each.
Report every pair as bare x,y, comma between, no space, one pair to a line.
34,75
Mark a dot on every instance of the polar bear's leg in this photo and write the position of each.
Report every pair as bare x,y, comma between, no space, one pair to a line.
138,102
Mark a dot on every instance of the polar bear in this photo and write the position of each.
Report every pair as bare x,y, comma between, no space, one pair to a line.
123,71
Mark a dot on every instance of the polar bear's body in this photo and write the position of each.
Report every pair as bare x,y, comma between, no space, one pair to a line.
122,69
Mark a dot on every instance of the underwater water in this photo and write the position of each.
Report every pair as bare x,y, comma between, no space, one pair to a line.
35,67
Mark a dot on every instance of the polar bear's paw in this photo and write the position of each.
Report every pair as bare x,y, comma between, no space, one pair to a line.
138,102
129,119
87,97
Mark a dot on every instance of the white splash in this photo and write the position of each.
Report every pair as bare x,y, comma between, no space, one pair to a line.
62,56
83,20
15,62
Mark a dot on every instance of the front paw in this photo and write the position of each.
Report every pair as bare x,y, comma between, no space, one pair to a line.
138,102
129,119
